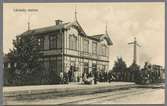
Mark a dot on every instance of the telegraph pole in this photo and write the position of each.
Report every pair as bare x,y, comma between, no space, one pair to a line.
135,44
75,14
28,23
28,26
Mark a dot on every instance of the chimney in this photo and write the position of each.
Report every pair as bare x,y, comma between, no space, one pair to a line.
58,22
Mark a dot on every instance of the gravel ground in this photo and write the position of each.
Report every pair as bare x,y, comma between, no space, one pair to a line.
131,96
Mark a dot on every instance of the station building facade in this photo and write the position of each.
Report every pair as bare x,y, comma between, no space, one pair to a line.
66,47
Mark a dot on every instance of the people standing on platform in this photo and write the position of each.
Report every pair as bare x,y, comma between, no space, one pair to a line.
70,75
61,78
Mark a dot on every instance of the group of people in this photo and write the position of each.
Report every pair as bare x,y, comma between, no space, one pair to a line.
87,77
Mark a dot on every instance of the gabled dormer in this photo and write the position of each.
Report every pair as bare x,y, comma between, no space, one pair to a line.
102,37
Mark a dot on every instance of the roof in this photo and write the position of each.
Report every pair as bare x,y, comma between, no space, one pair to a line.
45,29
101,37
75,24
97,36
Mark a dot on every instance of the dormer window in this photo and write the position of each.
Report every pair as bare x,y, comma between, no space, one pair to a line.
58,22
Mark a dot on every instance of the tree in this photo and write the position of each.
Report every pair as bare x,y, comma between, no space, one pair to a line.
119,65
134,67
9,74
133,70
119,69
26,56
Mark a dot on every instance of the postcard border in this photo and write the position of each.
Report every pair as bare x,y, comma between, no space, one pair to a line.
63,1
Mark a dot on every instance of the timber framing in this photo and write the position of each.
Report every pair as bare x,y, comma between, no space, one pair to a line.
62,52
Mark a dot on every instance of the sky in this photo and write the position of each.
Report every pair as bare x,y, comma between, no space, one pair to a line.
145,21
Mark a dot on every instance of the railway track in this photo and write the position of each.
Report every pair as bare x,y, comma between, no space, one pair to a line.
101,97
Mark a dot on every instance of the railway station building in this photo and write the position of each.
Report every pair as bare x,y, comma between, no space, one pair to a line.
66,47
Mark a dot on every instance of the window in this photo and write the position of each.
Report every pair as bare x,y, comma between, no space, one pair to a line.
86,46
59,41
94,48
94,67
52,75
59,65
86,67
9,65
103,50
52,65
52,42
73,42
107,51
103,67
15,64
41,43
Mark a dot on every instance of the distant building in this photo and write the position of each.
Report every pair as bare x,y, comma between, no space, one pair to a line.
66,47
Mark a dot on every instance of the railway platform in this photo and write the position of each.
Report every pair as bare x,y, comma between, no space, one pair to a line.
63,90
72,89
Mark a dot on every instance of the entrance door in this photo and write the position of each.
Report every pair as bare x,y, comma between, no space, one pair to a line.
86,70
71,72
94,71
